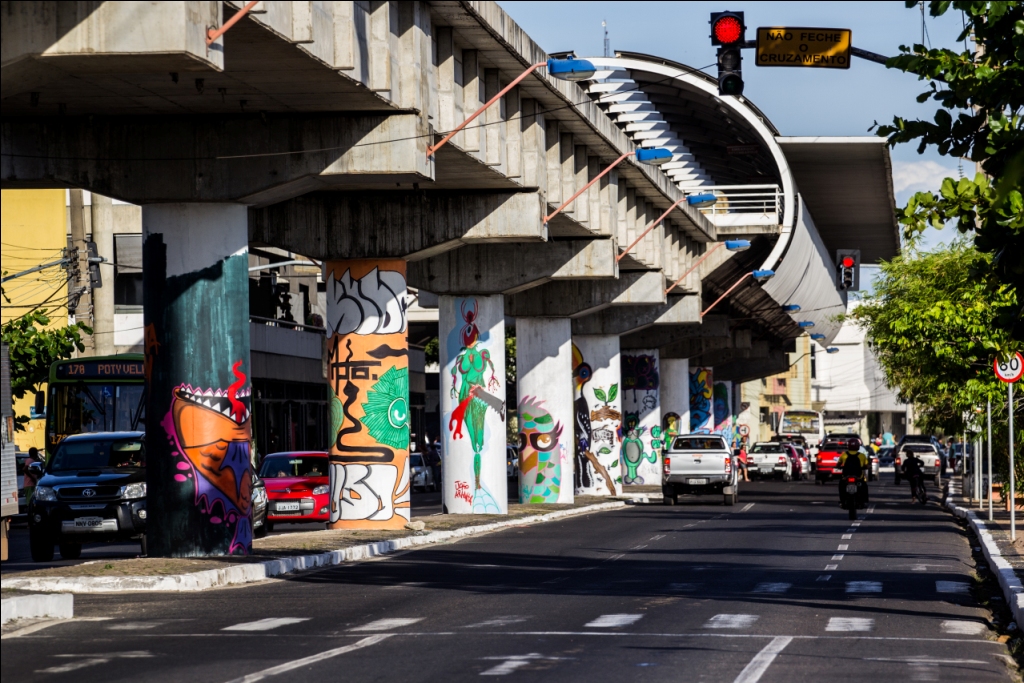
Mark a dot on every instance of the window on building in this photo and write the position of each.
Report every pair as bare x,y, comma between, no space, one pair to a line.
128,271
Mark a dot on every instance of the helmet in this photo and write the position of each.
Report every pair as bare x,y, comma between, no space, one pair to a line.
855,443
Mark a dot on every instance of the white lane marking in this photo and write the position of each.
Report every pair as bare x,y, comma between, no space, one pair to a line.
772,587
753,671
843,546
386,624
872,509
658,537
952,587
831,567
136,625
837,557
512,662
962,628
847,537
265,624
639,547
614,620
817,502
863,587
312,659
731,621
684,587
924,671
849,624
747,507
919,568
411,584
855,524
498,621
92,661
851,530
824,577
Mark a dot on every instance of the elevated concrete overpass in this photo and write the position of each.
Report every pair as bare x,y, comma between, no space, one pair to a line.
305,126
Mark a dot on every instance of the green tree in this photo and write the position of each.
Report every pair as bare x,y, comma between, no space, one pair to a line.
981,95
33,349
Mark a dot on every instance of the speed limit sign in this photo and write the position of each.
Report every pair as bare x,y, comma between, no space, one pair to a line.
1011,370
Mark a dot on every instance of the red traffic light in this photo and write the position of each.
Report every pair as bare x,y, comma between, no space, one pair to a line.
727,29
848,262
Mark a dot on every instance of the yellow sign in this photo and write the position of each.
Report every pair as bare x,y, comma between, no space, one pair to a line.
827,48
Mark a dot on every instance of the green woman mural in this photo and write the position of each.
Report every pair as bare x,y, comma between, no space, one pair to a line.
633,454
469,372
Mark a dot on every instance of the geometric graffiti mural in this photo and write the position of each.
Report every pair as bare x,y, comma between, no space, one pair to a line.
368,361
641,421
722,406
702,419
540,453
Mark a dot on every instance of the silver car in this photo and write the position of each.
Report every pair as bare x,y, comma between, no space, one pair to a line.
420,475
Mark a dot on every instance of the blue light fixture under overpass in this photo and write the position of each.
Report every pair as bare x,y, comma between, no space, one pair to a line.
737,245
805,324
832,349
817,336
656,156
571,69
699,200
791,308
763,275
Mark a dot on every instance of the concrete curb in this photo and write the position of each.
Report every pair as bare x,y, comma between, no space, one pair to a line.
1013,591
37,606
250,573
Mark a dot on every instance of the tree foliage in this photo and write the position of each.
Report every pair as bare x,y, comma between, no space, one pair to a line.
930,325
981,95
33,349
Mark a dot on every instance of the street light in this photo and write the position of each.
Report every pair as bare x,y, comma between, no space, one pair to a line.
759,275
564,69
731,245
817,336
656,156
702,200
791,308
805,324
832,349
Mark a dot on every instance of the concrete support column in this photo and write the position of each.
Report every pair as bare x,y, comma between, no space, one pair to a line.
597,402
103,297
702,418
641,407
196,313
544,368
675,397
471,332
368,359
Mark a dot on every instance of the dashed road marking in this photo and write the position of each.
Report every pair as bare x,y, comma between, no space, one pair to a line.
312,659
265,624
952,587
614,620
639,547
87,660
855,524
831,567
498,621
731,621
387,624
843,546
963,628
850,624
847,537
772,587
824,577
753,671
658,537
837,557
863,586
746,507
851,530
511,663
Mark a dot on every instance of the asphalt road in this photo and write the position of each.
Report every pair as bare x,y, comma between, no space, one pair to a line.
778,588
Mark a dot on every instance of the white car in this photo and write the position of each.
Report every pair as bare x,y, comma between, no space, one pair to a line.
420,475
699,464
769,459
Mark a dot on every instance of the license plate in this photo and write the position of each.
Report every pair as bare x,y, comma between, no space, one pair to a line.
88,522
851,488
697,482
288,507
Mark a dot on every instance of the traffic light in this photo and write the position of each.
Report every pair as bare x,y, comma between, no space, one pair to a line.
95,277
848,270
729,32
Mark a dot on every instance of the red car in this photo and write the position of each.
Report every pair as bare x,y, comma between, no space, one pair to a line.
298,487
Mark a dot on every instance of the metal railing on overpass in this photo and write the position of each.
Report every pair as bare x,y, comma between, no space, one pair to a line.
743,205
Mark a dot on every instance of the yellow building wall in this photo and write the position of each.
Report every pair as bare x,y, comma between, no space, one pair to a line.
33,223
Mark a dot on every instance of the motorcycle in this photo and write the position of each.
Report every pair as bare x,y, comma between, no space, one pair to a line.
853,495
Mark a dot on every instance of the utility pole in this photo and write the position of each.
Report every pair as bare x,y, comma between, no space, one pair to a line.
103,295
79,294
990,460
607,43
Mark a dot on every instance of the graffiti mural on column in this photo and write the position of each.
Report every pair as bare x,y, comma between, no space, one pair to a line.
701,394
540,453
722,403
473,415
368,362
641,407
596,372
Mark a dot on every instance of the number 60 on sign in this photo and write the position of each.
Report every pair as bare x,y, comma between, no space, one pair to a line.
1010,371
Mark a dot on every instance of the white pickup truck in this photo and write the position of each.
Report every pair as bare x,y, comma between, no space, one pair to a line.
699,464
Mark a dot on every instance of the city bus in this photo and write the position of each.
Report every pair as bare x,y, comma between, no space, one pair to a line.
96,394
810,424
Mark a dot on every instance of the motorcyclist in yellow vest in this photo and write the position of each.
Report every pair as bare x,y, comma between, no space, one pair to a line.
853,463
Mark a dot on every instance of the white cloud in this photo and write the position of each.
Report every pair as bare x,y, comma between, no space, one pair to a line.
919,176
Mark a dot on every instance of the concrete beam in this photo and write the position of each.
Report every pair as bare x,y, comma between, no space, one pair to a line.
409,225
512,268
746,369
698,350
661,336
254,159
573,298
678,310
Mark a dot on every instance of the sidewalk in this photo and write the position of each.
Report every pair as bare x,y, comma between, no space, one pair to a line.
1000,530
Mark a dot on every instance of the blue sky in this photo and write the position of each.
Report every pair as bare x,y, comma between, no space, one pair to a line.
798,101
